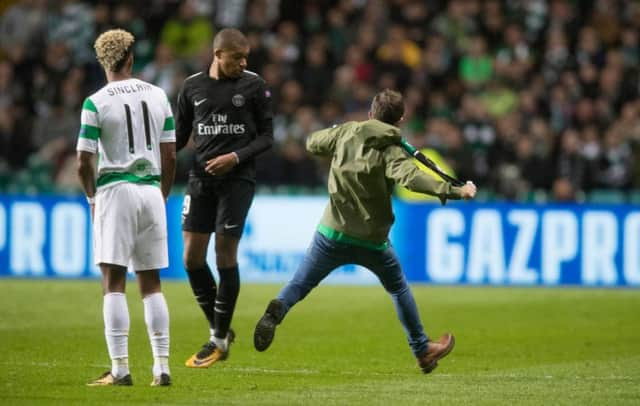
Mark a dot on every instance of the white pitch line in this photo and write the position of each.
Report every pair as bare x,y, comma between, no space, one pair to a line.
275,371
315,371
52,364
522,376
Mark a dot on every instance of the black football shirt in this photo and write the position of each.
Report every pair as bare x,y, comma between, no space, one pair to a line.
225,115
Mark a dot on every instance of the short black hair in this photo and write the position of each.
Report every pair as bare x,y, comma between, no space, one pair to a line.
388,106
230,38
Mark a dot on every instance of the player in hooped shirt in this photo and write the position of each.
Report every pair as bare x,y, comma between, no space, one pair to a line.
226,111
130,125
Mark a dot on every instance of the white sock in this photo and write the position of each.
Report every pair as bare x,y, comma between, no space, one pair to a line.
116,331
220,343
156,315
120,367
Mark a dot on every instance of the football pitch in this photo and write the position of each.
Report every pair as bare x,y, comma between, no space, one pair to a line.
342,345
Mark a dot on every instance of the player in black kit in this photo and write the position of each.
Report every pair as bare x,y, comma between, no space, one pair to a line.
229,111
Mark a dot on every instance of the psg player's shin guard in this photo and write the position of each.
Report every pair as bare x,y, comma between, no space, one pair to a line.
204,289
226,300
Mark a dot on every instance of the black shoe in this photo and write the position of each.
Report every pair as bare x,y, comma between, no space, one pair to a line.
162,380
107,379
210,353
266,327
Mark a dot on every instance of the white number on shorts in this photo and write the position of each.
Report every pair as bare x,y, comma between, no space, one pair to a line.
186,205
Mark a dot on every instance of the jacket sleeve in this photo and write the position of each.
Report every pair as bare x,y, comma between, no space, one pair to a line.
263,116
184,119
323,142
400,169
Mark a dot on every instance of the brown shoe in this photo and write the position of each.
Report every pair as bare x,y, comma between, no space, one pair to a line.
436,350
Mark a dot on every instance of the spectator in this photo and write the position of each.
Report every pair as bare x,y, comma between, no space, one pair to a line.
22,25
615,164
337,33
514,59
259,55
492,24
476,66
437,61
397,42
55,132
630,47
316,74
125,17
570,166
455,25
479,134
72,24
188,33
165,71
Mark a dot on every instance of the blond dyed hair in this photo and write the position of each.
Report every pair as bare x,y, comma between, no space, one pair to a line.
112,48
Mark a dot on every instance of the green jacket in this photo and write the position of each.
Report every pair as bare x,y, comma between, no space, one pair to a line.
366,161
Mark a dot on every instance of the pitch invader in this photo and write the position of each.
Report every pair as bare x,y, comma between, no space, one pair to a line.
130,124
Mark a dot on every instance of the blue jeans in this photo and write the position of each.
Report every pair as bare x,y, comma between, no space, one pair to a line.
325,255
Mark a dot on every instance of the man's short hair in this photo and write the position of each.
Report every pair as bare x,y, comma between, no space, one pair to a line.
230,38
387,106
113,48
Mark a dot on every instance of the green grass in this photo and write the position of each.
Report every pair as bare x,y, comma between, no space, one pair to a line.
342,345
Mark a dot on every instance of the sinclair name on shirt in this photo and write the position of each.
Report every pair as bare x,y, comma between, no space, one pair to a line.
135,88
220,126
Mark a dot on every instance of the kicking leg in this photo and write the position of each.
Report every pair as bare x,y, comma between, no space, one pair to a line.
321,258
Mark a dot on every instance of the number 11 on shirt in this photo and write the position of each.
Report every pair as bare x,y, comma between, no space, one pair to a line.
147,134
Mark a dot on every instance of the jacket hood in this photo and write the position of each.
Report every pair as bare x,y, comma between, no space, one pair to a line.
380,135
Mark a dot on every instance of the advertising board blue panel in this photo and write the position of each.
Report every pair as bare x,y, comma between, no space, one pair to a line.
461,243
507,244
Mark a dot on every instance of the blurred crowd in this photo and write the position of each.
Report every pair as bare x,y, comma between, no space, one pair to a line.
518,95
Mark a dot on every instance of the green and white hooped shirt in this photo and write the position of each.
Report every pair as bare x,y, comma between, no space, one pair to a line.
125,122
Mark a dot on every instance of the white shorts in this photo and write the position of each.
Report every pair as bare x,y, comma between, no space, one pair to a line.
130,227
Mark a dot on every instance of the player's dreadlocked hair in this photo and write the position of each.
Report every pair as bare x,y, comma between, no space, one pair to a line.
387,106
112,49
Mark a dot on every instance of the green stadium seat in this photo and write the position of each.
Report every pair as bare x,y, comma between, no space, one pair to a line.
634,196
484,195
606,196
536,196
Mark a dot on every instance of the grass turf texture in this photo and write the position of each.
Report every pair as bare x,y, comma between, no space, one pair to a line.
342,345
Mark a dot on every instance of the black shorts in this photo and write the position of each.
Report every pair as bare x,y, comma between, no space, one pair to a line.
214,205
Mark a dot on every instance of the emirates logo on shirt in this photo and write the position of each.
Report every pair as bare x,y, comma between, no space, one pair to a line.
238,100
221,125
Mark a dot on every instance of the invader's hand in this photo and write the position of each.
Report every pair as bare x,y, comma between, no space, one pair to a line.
468,191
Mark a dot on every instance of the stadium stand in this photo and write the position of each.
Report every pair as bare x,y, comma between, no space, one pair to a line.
535,100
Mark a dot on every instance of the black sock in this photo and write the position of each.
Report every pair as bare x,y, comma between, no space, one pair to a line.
204,289
226,299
